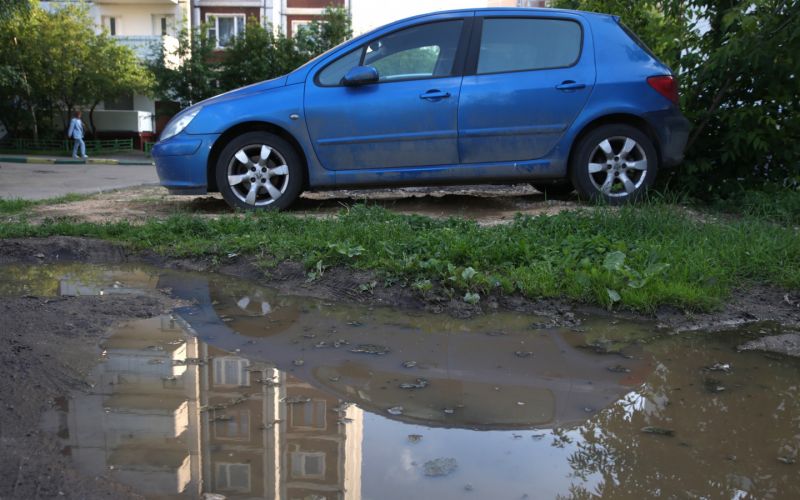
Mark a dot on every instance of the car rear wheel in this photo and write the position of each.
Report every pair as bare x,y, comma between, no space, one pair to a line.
614,163
259,171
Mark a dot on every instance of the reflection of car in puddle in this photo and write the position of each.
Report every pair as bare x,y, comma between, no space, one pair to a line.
491,372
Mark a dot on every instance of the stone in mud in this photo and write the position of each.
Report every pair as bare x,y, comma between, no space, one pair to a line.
523,354
660,431
618,369
414,438
374,349
409,364
395,410
787,344
440,467
718,367
298,362
421,383
786,460
713,385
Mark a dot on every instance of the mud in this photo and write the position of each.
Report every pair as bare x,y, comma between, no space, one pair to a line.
47,348
243,391
488,205
754,305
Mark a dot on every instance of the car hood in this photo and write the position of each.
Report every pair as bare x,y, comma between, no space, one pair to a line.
244,91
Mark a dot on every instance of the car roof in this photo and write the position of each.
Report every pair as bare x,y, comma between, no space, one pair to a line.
527,10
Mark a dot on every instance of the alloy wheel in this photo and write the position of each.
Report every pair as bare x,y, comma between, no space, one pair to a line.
258,175
618,166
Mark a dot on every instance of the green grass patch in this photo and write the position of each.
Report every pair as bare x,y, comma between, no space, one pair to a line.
771,203
18,206
635,257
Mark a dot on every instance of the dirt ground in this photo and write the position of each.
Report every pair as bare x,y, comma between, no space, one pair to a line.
47,345
486,204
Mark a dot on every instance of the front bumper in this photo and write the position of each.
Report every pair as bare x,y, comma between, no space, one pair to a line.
182,161
672,129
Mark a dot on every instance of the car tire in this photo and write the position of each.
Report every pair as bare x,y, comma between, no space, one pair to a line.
560,189
259,171
615,164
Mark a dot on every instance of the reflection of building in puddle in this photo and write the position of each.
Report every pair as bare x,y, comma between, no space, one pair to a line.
273,436
140,423
170,416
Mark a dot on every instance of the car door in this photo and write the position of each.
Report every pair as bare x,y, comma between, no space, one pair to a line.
526,80
409,117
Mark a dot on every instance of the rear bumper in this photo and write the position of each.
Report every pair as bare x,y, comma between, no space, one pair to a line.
672,129
181,162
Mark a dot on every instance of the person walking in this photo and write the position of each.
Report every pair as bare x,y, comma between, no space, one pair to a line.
76,132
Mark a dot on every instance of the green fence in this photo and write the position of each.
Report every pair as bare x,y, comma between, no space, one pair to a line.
148,147
65,146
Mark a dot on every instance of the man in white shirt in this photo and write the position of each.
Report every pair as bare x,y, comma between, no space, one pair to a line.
76,132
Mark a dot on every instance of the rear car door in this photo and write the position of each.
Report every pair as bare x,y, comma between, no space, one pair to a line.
527,77
406,119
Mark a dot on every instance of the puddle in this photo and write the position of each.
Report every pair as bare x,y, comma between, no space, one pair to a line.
247,393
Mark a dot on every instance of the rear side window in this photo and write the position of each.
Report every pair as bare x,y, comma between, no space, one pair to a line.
515,44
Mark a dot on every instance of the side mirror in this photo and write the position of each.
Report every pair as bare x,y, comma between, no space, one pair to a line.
360,75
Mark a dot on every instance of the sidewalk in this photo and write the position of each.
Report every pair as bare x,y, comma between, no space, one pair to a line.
132,158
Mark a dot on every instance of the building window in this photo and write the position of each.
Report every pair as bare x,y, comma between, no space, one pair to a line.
121,102
235,426
231,371
308,465
233,477
223,28
298,25
112,24
163,24
309,415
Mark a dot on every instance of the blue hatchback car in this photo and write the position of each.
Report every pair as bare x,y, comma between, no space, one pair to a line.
561,99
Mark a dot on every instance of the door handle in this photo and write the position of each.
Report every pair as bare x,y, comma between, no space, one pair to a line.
570,85
434,95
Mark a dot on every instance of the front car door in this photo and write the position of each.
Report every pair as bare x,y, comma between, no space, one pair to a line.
526,80
409,118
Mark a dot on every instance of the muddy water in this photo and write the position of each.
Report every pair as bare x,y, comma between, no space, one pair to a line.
249,394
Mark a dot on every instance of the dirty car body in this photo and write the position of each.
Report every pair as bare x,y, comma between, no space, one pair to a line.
561,99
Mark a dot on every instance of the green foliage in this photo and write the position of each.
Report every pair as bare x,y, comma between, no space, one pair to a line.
186,71
324,34
638,258
255,55
738,62
52,61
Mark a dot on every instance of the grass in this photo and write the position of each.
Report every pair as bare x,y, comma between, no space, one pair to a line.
635,257
17,205
772,203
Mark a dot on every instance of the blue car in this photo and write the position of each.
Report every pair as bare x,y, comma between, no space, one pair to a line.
561,99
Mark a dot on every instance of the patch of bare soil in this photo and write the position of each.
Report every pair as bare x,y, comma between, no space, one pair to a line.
47,346
488,205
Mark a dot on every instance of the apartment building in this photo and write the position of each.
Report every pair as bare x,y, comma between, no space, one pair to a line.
141,25
227,18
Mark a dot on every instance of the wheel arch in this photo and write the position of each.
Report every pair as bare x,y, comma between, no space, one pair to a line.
243,128
614,119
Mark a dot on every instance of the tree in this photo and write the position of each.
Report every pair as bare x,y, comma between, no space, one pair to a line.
54,60
256,55
112,71
321,35
738,64
186,71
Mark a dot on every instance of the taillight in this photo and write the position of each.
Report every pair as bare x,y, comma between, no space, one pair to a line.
665,85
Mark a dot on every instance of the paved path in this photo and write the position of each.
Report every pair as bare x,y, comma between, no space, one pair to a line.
37,181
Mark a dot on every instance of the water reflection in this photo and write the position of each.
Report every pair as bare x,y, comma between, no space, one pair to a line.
248,394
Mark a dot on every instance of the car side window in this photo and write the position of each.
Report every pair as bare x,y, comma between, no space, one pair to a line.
426,51
516,44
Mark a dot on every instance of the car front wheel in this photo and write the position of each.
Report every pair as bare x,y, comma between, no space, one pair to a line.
259,171
614,163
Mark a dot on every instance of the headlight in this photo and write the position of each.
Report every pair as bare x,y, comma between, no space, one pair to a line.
180,122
